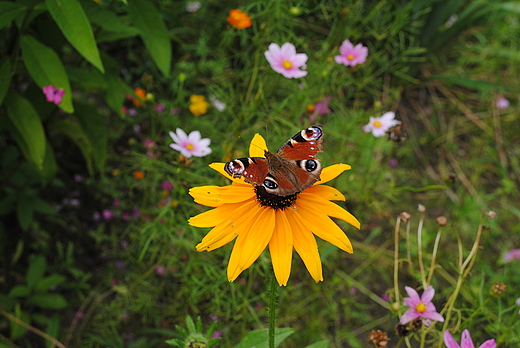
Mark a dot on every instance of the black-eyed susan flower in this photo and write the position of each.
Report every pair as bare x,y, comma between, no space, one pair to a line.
257,223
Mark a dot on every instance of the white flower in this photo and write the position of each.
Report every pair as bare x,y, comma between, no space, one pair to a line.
220,106
190,145
193,6
379,125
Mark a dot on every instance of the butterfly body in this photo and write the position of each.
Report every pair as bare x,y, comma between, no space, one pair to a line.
292,169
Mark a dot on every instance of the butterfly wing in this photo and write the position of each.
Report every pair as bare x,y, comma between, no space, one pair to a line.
303,145
252,169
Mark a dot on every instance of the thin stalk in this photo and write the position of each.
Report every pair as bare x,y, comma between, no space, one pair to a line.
408,252
396,258
272,310
419,247
434,255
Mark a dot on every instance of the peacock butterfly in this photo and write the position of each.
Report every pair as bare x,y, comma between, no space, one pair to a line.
289,171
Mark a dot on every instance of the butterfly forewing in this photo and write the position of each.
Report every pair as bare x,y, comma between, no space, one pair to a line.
303,145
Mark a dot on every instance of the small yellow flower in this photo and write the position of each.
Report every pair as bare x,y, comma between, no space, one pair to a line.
239,214
199,105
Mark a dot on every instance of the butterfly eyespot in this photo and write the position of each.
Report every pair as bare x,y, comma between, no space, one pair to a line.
270,184
310,165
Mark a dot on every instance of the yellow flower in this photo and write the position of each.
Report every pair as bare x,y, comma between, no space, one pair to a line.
239,214
199,105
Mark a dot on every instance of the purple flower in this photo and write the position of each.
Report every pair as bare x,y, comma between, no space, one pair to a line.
159,108
420,306
160,271
512,255
53,94
286,61
465,341
167,185
190,145
351,55
107,214
379,125
502,103
136,212
175,111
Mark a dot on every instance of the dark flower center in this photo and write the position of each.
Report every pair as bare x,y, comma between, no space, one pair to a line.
274,201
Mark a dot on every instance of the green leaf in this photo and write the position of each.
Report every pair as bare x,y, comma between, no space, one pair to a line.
19,291
260,338
50,167
48,301
53,328
6,303
115,94
42,206
9,11
73,23
46,69
95,129
469,83
29,127
320,344
46,283
153,32
73,130
36,270
16,330
112,24
513,6
175,342
5,77
87,78
24,212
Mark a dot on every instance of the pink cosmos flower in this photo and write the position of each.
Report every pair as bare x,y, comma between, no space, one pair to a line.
511,255
502,103
190,145
351,55
379,125
420,306
465,341
286,61
53,94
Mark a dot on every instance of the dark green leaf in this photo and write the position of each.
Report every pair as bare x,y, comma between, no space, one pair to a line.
42,206
36,270
87,78
46,283
46,69
24,212
7,303
5,77
29,127
320,344
50,167
48,301
70,17
16,330
260,338
108,20
19,291
115,94
153,32
9,11
73,130
470,83
95,129
53,328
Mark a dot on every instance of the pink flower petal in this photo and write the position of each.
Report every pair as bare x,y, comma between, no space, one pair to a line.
466,341
449,341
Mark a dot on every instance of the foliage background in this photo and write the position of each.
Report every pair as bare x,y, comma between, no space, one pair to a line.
89,280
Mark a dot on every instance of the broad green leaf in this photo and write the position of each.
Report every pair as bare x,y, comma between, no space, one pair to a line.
153,32
28,126
19,291
87,78
111,24
43,207
53,328
36,270
5,77
46,69
50,167
115,94
9,11
74,25
46,283
95,128
260,338
18,331
320,344
48,301
6,303
24,212
73,130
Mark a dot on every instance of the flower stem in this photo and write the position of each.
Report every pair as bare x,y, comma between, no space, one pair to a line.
419,247
272,310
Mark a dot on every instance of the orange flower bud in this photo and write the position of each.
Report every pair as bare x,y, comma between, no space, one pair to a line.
141,96
138,175
239,19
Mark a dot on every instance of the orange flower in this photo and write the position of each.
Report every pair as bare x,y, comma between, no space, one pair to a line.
239,19
138,175
141,96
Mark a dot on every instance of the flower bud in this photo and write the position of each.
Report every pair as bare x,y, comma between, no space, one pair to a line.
498,289
442,221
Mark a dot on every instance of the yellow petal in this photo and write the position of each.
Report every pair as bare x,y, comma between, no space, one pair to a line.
322,226
331,172
329,208
214,196
215,216
231,226
305,245
250,244
281,247
257,146
326,192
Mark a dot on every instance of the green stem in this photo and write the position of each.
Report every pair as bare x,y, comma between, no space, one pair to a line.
272,310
